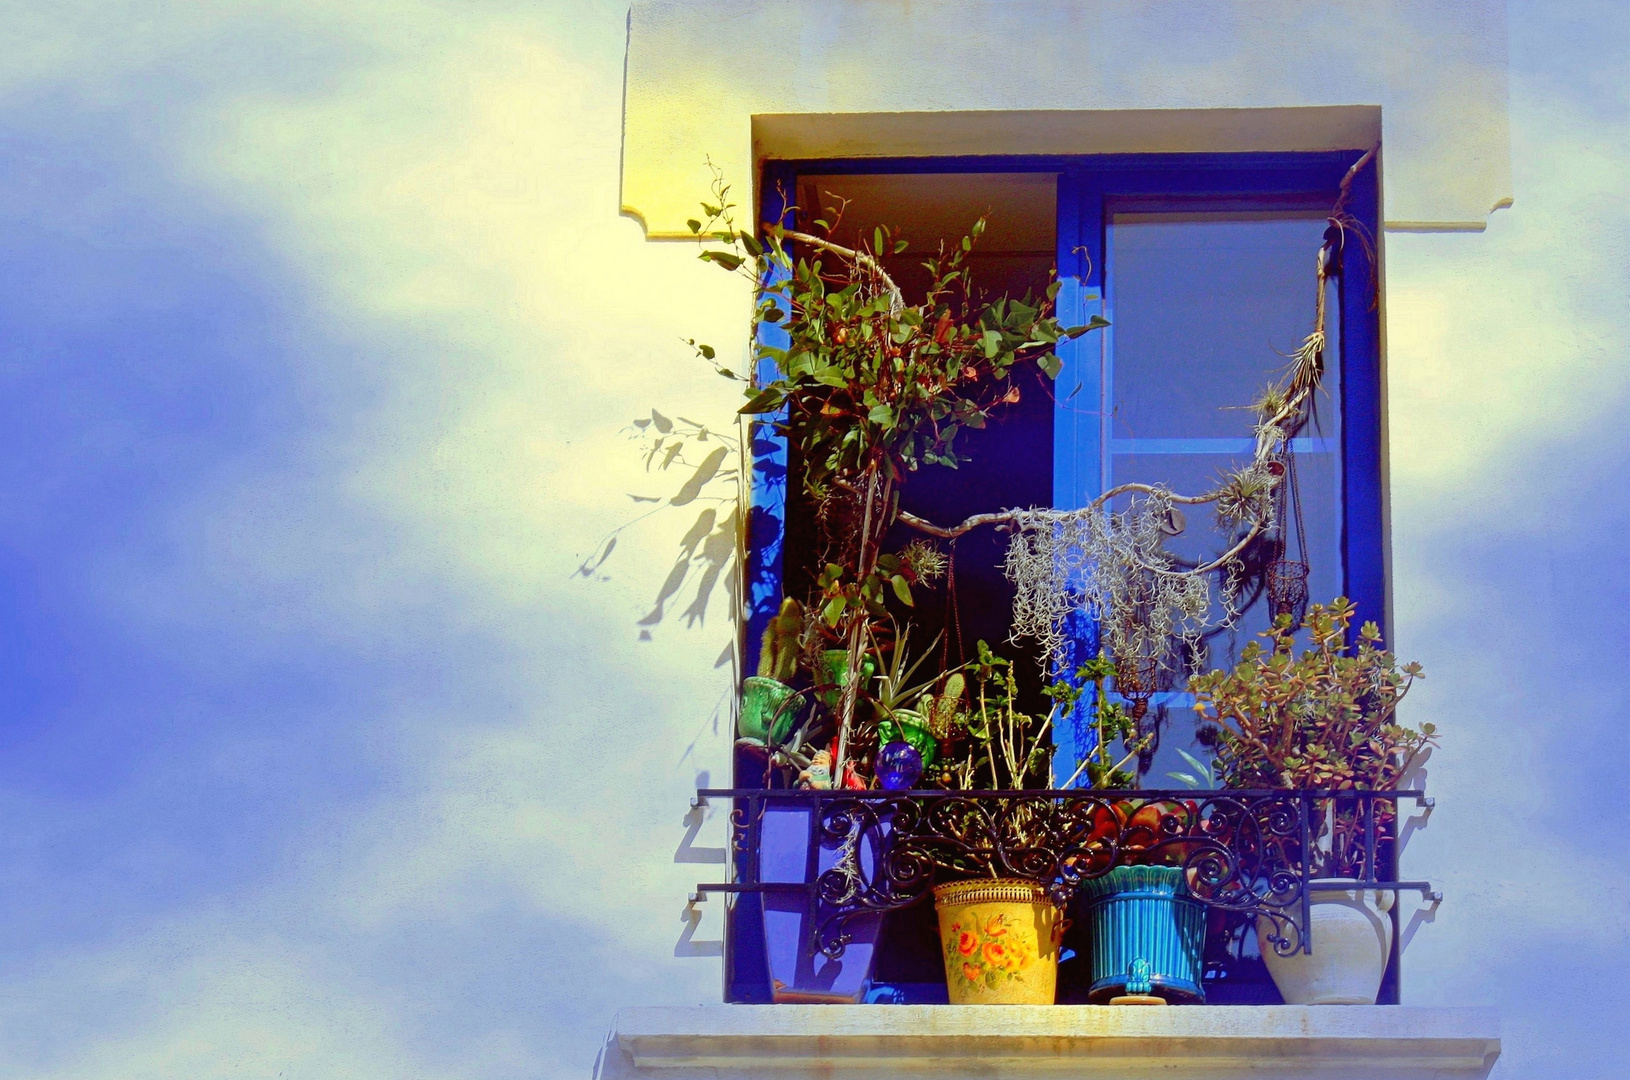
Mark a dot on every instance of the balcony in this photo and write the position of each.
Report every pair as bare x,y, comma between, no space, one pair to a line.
817,874
842,859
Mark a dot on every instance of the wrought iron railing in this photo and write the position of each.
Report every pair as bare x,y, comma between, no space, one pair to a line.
1253,854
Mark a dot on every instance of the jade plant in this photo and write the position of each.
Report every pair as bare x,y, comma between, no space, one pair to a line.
1324,720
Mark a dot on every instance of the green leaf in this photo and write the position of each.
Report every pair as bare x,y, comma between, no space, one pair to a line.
881,414
1051,364
767,400
706,350
992,341
834,610
695,226
899,246
902,589
723,258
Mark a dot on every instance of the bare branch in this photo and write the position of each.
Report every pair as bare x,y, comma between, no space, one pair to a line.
860,258
967,525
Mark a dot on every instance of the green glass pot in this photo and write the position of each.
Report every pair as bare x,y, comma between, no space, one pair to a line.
908,726
835,675
769,708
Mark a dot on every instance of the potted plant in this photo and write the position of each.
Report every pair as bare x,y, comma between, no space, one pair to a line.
894,697
1146,932
1324,721
999,936
769,705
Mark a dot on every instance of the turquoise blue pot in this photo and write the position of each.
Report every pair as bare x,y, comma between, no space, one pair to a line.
1144,912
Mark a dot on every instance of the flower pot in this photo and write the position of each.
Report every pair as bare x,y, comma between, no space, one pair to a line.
1000,941
1144,912
1352,941
909,727
799,971
835,675
769,708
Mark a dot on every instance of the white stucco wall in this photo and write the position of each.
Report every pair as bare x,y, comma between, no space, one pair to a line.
1061,76
1495,352
320,329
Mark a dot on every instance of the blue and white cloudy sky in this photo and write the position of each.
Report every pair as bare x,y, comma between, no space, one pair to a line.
318,327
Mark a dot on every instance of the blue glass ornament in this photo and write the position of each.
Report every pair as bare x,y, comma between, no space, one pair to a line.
899,766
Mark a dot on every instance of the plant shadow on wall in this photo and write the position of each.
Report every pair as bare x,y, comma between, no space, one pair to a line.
706,466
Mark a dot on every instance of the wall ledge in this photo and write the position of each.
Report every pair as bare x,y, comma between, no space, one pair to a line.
906,1042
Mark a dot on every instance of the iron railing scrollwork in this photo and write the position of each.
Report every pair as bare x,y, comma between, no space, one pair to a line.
1253,854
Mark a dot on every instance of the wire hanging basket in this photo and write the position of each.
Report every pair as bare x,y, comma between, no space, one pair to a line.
1287,590
1135,682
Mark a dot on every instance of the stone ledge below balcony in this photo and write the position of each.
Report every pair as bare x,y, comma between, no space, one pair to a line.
908,1042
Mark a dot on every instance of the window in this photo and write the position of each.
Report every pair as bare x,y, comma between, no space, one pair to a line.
1204,266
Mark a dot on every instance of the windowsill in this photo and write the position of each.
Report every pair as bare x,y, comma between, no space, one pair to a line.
904,1042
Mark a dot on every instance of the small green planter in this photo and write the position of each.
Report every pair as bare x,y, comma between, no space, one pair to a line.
909,727
769,709
1144,912
835,672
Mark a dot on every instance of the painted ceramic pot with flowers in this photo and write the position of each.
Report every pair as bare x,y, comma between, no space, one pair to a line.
1000,940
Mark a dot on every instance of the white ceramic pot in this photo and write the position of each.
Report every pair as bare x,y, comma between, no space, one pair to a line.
1351,939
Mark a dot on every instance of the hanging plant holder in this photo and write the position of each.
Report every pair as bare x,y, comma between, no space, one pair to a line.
1287,590
1135,681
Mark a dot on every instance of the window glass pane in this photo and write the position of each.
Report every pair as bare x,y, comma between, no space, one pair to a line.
1206,310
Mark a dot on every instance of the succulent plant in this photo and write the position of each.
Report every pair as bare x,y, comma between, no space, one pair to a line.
783,638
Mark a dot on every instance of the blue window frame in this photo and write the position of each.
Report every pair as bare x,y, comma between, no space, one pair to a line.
1094,445
1112,212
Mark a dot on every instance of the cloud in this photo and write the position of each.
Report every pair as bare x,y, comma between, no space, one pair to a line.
386,783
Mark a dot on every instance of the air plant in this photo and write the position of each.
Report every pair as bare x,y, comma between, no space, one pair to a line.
926,562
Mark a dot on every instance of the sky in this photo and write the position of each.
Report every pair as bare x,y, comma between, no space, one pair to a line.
319,336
